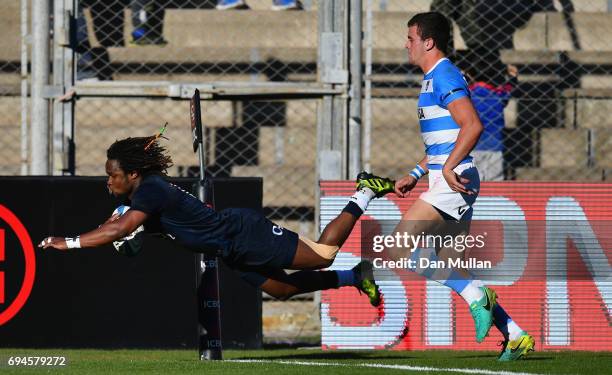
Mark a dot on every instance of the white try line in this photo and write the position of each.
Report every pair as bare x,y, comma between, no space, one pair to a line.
393,367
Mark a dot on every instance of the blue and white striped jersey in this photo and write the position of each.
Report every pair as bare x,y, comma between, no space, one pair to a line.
443,84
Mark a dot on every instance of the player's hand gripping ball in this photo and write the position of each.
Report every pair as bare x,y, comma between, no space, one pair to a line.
131,244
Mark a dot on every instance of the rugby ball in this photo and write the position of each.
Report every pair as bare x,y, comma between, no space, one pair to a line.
128,245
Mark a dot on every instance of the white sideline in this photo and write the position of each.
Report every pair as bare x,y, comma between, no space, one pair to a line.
393,367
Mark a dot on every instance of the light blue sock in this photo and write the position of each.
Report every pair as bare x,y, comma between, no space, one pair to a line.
450,278
346,278
456,281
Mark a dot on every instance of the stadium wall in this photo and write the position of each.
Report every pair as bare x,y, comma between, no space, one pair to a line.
550,250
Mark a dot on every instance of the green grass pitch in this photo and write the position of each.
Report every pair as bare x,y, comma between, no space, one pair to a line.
292,361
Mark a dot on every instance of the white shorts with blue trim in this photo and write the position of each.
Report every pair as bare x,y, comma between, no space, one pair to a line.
440,195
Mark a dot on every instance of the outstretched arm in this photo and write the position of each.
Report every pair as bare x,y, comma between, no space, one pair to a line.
106,233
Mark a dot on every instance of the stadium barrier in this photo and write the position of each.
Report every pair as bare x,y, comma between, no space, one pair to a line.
550,249
96,298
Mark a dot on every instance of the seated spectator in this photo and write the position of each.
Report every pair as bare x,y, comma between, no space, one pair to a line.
148,22
276,4
92,63
491,89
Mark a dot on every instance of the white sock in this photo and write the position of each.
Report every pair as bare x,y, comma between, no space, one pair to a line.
514,331
467,288
471,293
363,197
477,283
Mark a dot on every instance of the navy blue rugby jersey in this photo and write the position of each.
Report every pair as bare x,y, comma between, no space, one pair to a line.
183,217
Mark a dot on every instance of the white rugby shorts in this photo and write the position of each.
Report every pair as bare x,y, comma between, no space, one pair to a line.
440,195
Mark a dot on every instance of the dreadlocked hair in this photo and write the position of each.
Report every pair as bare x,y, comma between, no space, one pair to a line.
140,154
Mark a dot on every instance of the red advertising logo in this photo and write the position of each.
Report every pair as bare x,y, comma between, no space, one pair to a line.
17,227
1,259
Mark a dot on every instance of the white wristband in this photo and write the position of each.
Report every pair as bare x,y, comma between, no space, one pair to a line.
73,243
417,172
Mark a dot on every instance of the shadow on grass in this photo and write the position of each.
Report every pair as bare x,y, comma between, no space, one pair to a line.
484,356
476,356
538,359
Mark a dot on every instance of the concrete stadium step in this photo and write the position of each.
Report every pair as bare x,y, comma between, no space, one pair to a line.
560,174
187,30
10,29
377,5
395,126
588,108
566,148
601,140
290,320
10,152
10,111
119,112
211,28
576,147
399,106
417,5
424,5
587,81
596,81
395,134
287,146
545,34
101,121
589,27
174,52
563,148
136,113
192,77
518,57
208,28
283,186
397,55
10,127
548,31
308,55
396,144
10,84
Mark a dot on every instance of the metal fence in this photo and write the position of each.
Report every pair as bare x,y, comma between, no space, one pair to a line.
192,42
272,139
189,40
556,122
13,80
551,122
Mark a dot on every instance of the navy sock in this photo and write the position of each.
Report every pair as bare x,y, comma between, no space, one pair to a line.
346,277
353,209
